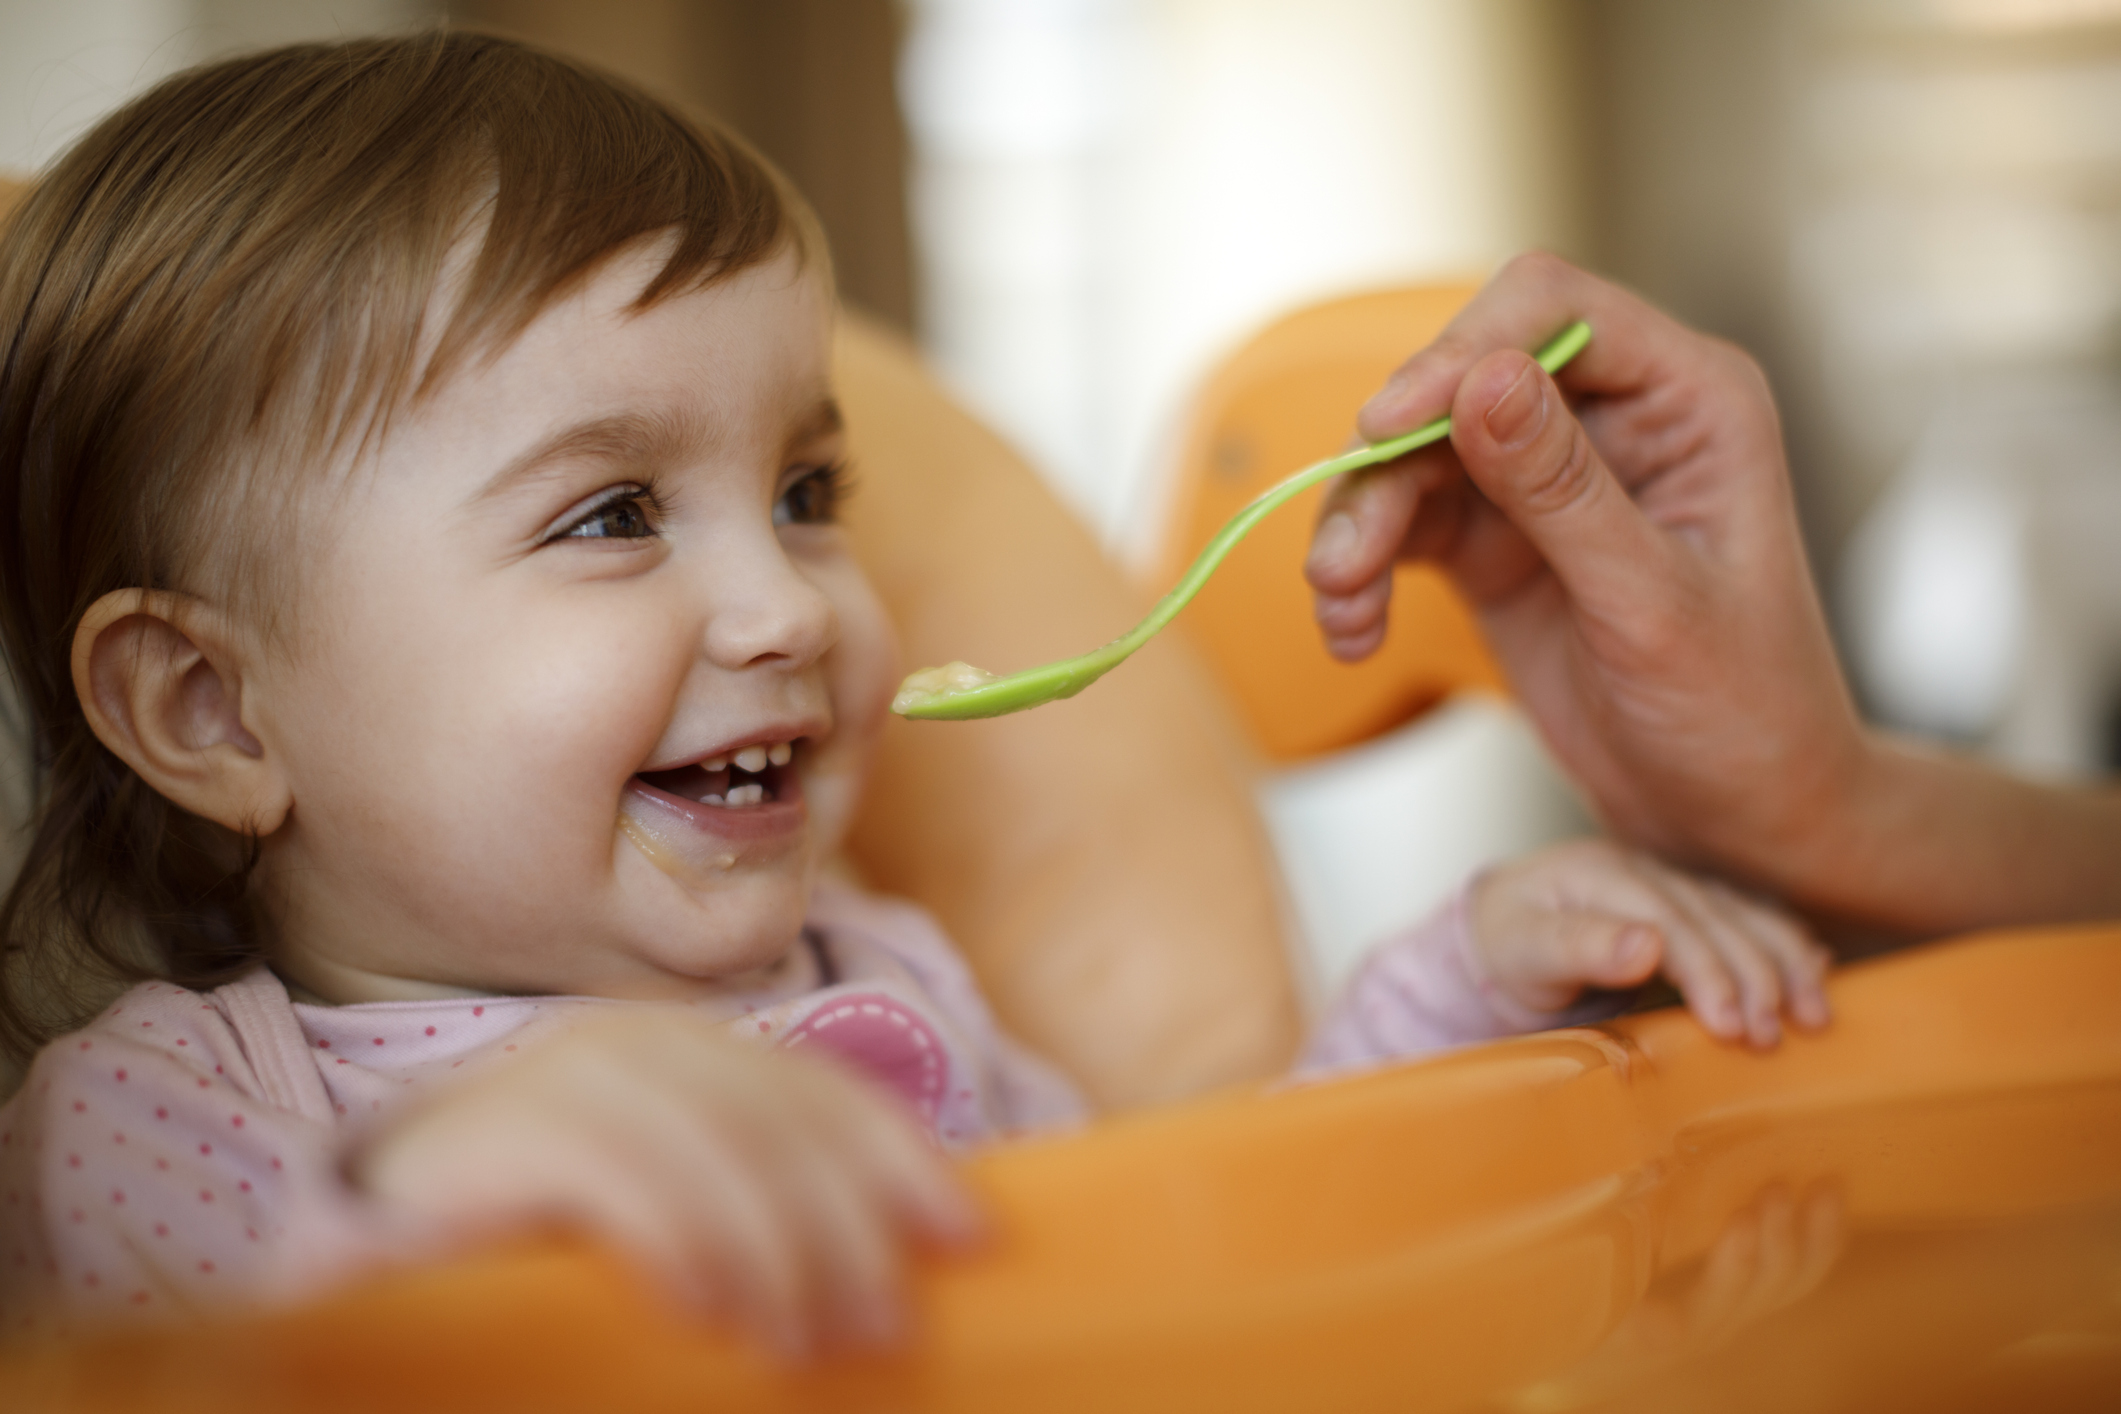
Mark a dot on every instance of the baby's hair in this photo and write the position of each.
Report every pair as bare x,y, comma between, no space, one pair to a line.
232,278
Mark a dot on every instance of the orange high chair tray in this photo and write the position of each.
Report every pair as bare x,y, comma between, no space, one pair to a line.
1918,1209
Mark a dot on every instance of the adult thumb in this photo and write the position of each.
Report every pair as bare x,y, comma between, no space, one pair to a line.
1529,455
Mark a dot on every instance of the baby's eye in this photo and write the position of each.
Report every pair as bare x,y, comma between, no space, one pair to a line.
628,515
813,498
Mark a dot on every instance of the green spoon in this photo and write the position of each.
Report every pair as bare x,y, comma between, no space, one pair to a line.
958,691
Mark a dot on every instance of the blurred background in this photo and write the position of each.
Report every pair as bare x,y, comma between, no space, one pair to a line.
1909,210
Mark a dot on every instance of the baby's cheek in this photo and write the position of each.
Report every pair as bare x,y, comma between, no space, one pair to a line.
867,655
862,674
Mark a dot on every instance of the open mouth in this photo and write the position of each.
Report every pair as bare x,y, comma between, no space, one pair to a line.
743,780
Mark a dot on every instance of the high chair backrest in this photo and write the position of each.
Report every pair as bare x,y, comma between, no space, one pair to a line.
1285,399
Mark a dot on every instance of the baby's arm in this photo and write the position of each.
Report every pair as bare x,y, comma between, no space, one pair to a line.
1522,941
768,1188
148,1166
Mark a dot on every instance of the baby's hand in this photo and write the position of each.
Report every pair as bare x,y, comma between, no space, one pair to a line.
766,1187
1593,913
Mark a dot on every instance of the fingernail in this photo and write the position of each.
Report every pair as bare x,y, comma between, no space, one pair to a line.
1518,414
1335,541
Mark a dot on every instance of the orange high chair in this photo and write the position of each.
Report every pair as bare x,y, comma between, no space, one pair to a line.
1918,1209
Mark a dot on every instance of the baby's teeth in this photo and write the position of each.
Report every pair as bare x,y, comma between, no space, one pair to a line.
746,795
780,753
752,758
718,763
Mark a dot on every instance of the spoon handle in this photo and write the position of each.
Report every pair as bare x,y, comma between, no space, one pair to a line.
1564,346
960,692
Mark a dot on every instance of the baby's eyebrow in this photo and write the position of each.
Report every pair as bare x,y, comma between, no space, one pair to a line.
638,439
633,438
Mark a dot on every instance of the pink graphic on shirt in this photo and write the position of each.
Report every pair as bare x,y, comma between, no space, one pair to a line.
885,1040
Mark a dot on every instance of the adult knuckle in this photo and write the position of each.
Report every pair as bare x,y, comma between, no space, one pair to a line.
1454,349
1535,267
1666,627
1400,375
1565,480
1738,369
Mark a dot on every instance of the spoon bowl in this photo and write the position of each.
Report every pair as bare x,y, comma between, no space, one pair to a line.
960,692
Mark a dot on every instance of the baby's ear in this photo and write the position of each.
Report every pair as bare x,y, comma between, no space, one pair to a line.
160,677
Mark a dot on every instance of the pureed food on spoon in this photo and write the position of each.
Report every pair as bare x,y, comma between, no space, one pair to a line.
934,684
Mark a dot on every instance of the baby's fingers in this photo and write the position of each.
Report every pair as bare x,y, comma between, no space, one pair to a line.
1694,964
709,1221
902,1166
1758,983
1799,960
860,1180
1775,964
849,1241
1740,962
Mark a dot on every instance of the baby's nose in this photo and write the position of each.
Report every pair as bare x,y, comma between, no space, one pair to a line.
771,613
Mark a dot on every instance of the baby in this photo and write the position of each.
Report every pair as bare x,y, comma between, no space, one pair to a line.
418,468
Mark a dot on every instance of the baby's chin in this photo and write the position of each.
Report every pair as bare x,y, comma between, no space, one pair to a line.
707,917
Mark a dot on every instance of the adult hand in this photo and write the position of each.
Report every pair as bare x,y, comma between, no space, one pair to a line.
1628,539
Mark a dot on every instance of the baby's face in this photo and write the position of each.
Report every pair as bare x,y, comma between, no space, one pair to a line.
582,588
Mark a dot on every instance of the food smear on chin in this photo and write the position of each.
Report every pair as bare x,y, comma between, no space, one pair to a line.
644,838
934,684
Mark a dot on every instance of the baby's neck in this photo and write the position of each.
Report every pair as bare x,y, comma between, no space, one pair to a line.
803,966
320,982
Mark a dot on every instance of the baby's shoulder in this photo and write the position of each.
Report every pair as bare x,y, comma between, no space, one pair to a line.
161,1036
153,1017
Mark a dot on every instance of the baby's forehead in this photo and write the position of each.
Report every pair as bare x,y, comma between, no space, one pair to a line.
598,376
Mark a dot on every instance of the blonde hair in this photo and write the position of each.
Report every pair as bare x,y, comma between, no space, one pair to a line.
233,276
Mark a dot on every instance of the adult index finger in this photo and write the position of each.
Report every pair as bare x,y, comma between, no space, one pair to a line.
1530,300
